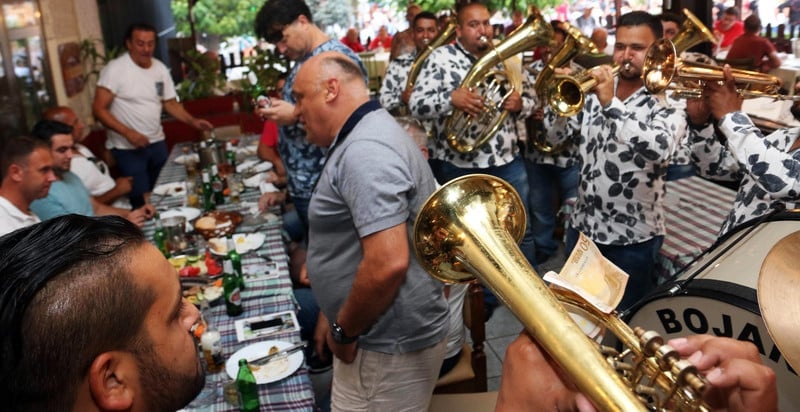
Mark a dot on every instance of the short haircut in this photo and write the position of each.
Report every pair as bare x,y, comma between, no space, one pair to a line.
733,11
17,150
141,27
461,6
65,298
752,24
642,18
46,129
276,14
424,15
673,17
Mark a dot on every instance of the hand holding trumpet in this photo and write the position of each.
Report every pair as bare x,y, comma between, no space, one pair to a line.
722,96
604,89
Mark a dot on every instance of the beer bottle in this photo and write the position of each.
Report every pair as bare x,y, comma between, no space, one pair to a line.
217,187
160,236
248,388
230,156
208,193
236,261
232,289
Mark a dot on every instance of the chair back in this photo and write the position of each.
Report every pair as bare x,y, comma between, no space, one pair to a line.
375,71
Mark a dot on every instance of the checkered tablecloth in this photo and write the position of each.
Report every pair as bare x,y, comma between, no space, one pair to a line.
263,295
694,209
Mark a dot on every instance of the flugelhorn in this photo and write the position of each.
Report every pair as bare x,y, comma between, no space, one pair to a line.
465,133
663,70
469,228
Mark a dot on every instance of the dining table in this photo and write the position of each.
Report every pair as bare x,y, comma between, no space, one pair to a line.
268,290
694,210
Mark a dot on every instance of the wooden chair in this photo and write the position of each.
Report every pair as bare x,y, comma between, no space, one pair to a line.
469,375
374,74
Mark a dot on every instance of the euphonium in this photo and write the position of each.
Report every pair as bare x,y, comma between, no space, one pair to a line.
460,127
575,43
468,228
445,36
691,33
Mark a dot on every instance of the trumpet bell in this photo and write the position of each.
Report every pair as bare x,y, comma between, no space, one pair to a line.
659,66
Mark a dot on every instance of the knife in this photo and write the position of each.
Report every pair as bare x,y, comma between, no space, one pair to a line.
283,352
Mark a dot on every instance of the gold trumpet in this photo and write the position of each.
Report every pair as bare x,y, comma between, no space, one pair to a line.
663,70
470,227
464,132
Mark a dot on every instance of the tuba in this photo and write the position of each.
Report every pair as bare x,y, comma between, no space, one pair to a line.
484,79
566,95
445,36
574,44
469,228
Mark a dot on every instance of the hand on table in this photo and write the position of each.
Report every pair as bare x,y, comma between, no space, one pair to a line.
270,199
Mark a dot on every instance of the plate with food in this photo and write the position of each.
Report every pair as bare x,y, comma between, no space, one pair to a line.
243,243
217,223
189,266
279,368
210,292
170,189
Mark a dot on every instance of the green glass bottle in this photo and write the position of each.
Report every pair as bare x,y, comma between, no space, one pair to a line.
232,288
236,261
248,388
217,186
230,156
208,193
160,236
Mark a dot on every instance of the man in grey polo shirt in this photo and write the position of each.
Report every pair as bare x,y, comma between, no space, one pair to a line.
383,317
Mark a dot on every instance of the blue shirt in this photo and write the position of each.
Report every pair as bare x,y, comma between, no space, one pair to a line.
67,195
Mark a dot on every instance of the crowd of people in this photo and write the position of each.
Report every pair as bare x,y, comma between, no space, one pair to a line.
357,182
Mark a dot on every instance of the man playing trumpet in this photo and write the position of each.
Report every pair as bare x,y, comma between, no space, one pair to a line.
626,137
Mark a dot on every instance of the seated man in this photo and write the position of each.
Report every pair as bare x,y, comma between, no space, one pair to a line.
90,168
26,170
68,194
59,352
752,45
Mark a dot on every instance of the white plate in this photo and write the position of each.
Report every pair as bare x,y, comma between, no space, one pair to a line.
189,213
185,158
170,189
271,372
254,181
245,243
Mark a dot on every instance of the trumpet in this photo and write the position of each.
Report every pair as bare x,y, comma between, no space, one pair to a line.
663,70
469,228
566,95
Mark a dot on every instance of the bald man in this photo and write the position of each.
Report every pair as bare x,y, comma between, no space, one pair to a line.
403,42
90,168
383,317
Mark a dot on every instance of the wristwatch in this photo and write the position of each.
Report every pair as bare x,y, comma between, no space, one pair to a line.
338,335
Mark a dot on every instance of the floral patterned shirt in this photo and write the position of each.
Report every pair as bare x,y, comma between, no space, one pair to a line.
623,151
303,161
771,172
441,74
394,82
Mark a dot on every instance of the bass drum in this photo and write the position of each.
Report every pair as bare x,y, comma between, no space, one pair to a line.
717,295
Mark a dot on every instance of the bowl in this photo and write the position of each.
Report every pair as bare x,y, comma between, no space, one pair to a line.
223,224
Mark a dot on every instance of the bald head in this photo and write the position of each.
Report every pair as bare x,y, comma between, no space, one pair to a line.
600,38
328,88
67,116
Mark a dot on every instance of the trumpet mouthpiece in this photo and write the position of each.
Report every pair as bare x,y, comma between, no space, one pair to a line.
483,39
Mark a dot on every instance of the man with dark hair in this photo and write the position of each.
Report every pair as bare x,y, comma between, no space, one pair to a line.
93,319
394,94
288,25
131,92
90,168
26,172
68,194
382,316
752,45
625,137
728,28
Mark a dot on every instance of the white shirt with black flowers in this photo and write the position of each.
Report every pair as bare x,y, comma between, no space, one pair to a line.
394,81
771,173
623,153
442,73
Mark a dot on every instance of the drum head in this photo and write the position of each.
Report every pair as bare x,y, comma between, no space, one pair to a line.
778,287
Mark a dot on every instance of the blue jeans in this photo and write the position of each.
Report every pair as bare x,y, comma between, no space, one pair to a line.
307,316
143,165
544,179
637,260
513,173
